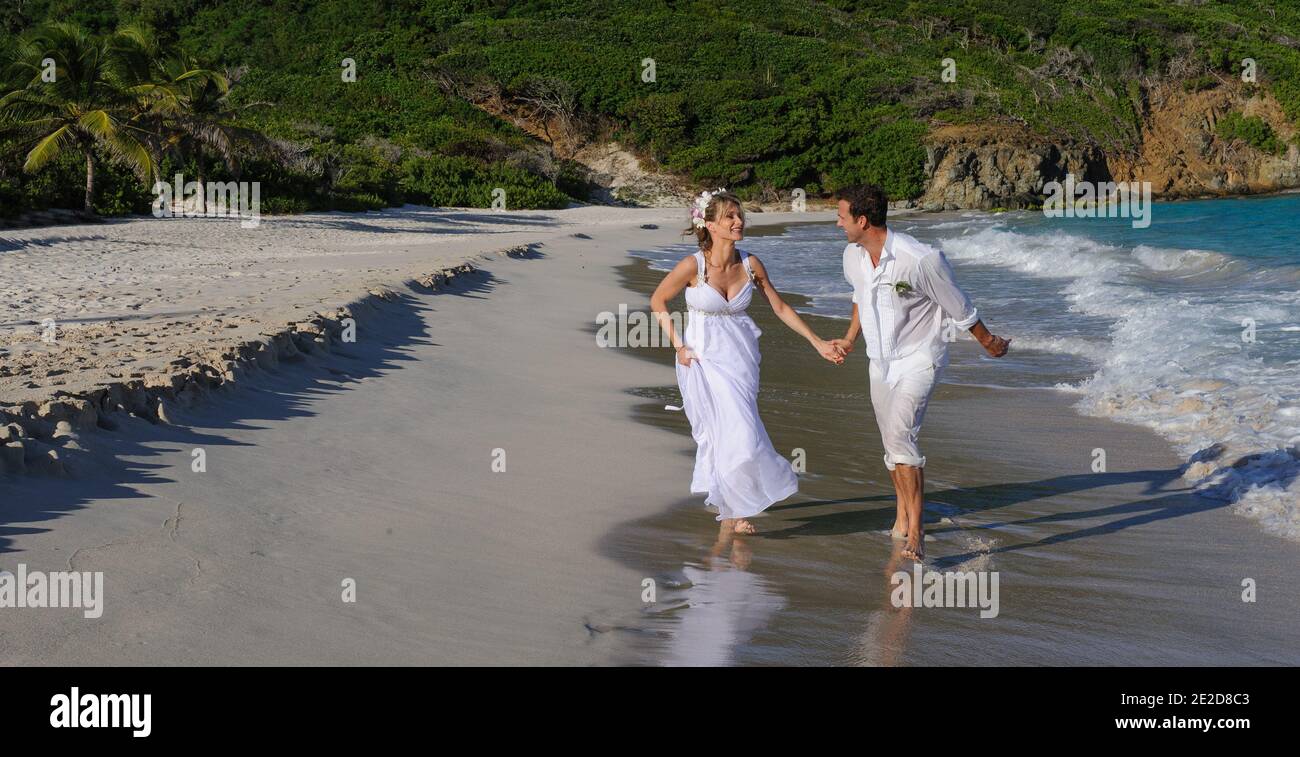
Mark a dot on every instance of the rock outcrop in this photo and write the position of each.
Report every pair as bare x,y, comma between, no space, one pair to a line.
1180,152
618,176
984,167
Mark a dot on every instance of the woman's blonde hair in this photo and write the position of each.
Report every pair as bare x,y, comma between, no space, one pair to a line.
712,212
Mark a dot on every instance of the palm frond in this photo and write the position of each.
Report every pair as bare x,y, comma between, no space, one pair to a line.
49,148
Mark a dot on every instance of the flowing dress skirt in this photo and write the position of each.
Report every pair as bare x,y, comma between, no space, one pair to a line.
735,463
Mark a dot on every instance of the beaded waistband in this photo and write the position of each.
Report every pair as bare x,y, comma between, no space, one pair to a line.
727,313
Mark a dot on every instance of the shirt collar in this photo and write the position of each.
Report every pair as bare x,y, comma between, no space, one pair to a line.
886,255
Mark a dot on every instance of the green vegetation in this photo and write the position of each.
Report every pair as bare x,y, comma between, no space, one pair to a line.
70,92
758,95
1252,130
312,140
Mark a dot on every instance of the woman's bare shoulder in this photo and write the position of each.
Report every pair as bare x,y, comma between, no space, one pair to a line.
684,270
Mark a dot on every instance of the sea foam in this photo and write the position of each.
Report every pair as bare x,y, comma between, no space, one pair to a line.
1180,358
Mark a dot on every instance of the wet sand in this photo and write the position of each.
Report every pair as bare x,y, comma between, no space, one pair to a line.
1121,567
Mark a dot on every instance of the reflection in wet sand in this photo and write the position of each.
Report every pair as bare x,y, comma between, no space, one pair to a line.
888,628
725,605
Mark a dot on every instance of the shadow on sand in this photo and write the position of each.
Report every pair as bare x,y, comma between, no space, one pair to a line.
119,462
1168,500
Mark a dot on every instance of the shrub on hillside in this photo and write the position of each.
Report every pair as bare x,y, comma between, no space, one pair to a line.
1252,130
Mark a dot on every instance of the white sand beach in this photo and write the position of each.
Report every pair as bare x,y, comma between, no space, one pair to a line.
127,297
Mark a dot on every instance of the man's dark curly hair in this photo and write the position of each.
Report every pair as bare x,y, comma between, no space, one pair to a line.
865,200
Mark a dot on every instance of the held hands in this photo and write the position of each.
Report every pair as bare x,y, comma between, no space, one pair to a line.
830,350
845,345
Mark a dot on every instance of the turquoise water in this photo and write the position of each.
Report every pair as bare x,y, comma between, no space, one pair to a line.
1258,229
1190,326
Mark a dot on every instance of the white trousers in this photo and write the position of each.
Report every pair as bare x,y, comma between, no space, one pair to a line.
899,411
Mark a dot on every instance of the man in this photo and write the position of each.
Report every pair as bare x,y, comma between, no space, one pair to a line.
902,289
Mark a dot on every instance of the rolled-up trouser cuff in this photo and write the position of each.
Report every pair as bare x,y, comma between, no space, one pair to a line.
893,460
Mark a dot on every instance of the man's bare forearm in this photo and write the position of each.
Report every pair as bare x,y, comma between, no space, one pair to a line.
992,344
855,326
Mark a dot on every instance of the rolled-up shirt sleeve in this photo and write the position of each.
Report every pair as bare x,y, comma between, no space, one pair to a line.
939,283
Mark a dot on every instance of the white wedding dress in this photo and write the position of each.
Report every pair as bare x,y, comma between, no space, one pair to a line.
735,464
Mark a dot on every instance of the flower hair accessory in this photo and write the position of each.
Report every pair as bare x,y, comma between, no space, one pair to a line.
701,206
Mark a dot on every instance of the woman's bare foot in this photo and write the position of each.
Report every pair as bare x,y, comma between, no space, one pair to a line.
898,530
745,527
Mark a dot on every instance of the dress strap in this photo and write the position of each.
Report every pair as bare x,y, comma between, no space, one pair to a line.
744,258
701,272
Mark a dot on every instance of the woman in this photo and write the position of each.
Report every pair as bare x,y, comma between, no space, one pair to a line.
717,364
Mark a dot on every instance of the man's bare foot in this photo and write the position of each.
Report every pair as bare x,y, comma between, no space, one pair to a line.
745,527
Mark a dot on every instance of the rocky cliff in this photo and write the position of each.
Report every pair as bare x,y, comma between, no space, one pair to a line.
1180,152
1182,155
990,166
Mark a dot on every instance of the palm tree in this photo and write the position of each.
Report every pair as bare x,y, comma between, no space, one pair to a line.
190,109
89,102
198,119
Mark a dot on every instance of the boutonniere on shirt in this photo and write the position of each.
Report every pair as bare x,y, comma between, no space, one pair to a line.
903,289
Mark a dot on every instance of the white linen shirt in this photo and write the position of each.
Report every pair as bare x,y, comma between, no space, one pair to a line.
904,331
